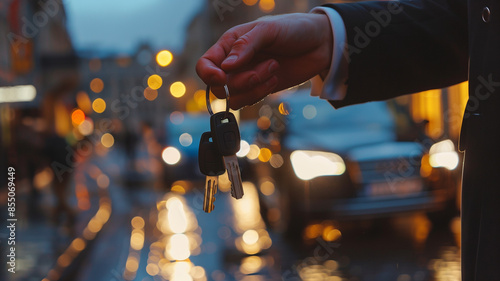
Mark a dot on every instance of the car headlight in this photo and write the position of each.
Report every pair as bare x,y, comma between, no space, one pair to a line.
171,155
311,164
443,154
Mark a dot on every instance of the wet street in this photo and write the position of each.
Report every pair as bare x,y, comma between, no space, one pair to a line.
127,229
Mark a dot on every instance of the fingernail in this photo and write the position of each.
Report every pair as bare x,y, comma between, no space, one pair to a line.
254,80
231,59
273,67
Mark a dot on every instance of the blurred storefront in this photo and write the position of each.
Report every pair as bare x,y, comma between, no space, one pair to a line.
38,74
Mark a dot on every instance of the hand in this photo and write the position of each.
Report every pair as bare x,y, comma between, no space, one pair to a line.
266,56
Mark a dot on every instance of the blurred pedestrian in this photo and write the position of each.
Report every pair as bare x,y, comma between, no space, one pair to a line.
366,51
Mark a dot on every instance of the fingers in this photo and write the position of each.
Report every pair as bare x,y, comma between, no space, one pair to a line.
253,77
248,79
246,46
254,95
208,66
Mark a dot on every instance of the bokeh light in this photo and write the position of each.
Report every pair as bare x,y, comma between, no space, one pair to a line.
77,117
265,154
266,6
250,2
244,149
155,82
267,188
177,89
107,140
164,58
263,123
176,117
87,127
83,102
99,105
171,155
309,111
96,85
284,108
150,94
250,237
185,139
254,151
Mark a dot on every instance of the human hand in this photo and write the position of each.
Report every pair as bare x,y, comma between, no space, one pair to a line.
268,55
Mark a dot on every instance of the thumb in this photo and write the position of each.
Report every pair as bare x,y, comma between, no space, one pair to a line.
246,46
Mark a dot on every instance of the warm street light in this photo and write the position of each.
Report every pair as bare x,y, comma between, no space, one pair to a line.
164,58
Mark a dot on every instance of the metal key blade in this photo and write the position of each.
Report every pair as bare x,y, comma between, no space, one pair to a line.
233,172
211,184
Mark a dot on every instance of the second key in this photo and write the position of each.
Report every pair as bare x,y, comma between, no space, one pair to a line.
226,135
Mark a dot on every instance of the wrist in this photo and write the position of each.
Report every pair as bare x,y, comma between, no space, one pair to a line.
326,47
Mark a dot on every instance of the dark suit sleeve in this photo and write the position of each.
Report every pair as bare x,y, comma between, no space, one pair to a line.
403,47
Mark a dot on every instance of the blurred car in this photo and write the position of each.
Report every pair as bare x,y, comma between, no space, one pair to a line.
180,154
346,164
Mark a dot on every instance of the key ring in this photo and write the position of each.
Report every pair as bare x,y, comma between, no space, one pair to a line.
209,107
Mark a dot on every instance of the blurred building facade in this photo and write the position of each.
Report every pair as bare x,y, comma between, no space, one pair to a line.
38,72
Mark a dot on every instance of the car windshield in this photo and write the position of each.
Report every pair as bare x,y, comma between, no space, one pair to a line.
314,124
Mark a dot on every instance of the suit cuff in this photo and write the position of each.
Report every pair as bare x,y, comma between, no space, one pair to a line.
333,86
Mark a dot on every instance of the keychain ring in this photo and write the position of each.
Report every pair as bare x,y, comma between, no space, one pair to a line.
207,96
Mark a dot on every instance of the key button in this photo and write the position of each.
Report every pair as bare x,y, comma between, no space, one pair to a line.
486,15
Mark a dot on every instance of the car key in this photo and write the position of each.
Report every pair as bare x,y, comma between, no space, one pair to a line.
211,165
226,136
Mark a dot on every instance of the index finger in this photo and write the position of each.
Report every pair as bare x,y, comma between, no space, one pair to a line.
208,66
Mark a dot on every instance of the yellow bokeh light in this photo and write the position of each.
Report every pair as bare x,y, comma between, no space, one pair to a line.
78,244
107,140
150,94
155,82
99,105
152,269
164,58
266,6
267,188
265,154
177,89
132,264
200,99
96,85
178,189
283,109
254,151
250,2
137,222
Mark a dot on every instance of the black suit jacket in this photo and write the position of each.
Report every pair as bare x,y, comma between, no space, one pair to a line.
397,48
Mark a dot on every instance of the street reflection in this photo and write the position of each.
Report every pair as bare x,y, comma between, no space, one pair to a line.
180,239
248,223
